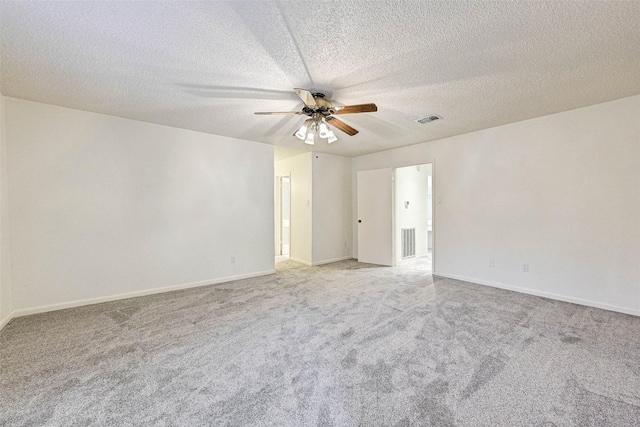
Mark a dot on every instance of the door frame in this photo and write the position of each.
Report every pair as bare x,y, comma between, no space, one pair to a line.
278,213
434,208
433,212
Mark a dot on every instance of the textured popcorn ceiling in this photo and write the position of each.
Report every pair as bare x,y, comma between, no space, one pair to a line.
209,66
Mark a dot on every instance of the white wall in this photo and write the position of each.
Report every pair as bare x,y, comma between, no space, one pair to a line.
103,206
331,208
320,206
299,169
560,192
6,305
412,185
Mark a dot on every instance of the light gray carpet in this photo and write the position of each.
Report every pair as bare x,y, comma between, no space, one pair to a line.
344,344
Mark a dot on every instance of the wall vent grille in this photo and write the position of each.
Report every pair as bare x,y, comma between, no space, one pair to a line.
408,242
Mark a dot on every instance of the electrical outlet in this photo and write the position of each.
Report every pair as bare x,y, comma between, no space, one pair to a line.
525,267
233,260
492,263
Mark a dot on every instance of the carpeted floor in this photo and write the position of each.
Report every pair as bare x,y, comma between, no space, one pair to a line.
344,344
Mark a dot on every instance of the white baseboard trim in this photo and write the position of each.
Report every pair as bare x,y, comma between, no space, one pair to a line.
300,261
329,261
90,301
549,295
6,321
326,261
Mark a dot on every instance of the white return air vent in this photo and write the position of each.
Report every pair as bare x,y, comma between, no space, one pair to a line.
408,242
428,119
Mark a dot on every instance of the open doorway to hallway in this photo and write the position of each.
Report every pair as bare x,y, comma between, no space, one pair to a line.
283,217
413,214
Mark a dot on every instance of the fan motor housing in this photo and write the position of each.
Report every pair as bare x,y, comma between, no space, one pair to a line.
321,101
323,106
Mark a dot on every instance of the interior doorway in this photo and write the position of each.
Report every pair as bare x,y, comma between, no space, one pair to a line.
413,215
283,217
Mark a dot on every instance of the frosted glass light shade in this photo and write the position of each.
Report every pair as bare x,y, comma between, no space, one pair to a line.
331,137
324,131
302,132
309,139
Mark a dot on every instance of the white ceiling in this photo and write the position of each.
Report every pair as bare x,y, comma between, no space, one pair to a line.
208,66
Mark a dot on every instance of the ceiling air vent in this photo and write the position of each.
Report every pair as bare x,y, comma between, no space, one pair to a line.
430,118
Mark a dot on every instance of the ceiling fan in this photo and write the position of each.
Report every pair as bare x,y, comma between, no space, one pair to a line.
321,111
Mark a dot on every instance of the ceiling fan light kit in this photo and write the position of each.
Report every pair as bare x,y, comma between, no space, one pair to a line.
321,111
317,129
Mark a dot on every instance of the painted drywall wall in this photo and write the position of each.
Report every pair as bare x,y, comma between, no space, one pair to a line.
331,208
412,186
560,192
299,169
6,305
103,206
320,206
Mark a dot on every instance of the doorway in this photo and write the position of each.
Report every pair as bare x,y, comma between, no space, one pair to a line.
413,214
283,217
395,216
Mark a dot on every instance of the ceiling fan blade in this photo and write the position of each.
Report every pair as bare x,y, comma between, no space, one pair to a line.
273,113
233,92
339,124
352,109
306,97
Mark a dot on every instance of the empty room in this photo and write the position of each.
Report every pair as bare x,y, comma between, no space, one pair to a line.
320,213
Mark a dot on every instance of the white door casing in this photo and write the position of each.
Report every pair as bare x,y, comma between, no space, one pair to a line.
286,215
